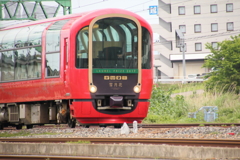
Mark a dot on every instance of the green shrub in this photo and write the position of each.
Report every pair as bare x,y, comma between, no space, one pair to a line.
167,109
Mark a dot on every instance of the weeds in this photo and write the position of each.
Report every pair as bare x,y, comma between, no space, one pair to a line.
24,133
166,109
21,133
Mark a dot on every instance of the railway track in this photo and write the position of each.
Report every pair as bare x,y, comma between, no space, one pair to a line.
154,141
147,125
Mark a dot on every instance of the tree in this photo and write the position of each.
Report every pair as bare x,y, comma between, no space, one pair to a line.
225,62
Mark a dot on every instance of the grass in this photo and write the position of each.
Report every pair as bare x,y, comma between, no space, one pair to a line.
176,109
179,87
24,133
21,133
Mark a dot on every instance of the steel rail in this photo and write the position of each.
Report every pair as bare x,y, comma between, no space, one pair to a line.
188,142
188,125
41,157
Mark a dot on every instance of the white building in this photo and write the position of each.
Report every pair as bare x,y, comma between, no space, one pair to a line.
201,22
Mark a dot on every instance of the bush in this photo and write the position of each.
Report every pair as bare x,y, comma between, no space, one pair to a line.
165,108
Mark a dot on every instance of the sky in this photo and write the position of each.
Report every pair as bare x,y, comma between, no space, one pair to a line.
140,7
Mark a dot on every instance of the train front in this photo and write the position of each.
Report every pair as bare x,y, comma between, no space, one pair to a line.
116,51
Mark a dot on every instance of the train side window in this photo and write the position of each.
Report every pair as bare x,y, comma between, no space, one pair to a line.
21,53
34,62
21,62
7,66
53,49
53,62
82,48
146,49
35,35
8,58
53,36
2,35
21,39
0,66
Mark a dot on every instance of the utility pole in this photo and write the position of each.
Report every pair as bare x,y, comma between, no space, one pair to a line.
156,72
180,43
183,60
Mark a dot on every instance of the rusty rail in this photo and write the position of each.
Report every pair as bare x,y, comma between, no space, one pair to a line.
41,157
188,125
187,142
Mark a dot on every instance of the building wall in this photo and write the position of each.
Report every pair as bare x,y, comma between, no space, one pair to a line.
194,58
192,67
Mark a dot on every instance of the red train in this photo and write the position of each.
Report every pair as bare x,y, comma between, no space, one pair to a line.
94,67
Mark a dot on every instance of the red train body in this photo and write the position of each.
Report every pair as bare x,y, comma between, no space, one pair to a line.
93,67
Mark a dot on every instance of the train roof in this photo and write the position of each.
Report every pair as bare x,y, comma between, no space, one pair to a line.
89,14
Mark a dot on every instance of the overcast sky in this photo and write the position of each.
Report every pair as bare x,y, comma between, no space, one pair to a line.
140,7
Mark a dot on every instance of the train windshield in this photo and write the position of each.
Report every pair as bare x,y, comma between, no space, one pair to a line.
115,44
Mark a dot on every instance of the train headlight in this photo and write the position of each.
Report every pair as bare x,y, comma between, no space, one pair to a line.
136,89
93,89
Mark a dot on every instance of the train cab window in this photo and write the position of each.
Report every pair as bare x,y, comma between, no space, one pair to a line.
116,43
53,49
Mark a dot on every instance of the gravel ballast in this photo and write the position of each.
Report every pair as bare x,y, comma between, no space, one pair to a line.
98,132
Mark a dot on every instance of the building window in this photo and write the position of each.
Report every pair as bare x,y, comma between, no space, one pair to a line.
198,46
182,28
197,9
214,45
197,28
229,7
230,26
214,27
213,8
181,10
